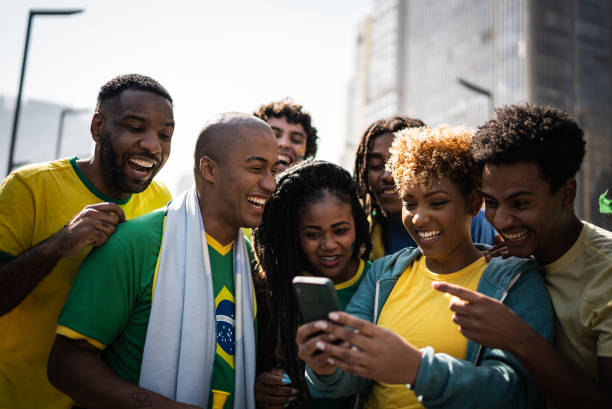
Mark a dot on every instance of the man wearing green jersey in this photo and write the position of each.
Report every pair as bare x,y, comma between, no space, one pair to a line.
163,314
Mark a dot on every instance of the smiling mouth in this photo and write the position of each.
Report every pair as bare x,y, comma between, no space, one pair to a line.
284,159
329,261
428,236
257,201
515,237
141,168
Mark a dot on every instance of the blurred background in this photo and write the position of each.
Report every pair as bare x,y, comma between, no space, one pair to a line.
348,62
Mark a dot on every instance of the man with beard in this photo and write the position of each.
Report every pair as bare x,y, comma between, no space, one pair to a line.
52,214
175,324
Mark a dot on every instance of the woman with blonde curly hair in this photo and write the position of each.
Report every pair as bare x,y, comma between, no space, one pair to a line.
401,348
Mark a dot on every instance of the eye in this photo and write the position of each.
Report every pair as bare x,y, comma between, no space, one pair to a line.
297,141
490,204
409,205
520,204
165,137
312,235
134,129
377,167
341,231
439,203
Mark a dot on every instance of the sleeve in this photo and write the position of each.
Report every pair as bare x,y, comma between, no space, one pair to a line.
597,309
17,217
498,380
103,294
342,383
482,231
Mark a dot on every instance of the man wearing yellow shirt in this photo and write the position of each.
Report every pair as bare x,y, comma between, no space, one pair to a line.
530,156
52,214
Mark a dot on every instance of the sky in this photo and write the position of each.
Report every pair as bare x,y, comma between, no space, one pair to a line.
212,56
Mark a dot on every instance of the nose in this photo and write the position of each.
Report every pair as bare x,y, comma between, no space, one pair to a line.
150,142
419,218
501,218
387,178
268,183
328,242
283,141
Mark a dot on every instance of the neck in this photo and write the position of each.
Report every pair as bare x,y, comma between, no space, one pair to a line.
559,240
92,169
462,256
214,224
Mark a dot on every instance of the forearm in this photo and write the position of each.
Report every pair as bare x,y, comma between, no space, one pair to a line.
76,369
565,385
20,275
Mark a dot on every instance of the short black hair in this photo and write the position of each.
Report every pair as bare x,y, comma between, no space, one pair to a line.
280,258
294,114
360,172
119,84
532,133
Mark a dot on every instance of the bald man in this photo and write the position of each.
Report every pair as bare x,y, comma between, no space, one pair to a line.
176,313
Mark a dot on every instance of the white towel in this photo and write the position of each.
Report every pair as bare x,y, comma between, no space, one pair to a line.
180,345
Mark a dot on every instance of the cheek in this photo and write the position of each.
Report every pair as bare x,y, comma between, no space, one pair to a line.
300,150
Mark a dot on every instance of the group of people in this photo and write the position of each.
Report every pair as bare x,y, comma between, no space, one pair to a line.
115,295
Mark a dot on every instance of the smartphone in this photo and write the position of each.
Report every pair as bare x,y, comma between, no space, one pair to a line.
316,296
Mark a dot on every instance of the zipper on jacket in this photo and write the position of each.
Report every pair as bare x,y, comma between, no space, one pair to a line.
511,283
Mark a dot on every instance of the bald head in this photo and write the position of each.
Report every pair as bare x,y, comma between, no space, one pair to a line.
221,134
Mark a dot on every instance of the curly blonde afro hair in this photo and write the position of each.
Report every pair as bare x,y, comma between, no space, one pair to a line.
422,156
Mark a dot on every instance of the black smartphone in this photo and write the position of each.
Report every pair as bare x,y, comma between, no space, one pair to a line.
316,296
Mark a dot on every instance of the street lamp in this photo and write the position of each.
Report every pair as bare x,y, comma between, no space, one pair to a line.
60,128
23,66
479,90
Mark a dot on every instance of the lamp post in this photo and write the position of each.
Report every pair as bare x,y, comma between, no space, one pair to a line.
479,90
60,128
23,67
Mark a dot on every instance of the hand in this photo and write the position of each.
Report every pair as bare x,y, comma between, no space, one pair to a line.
499,248
374,352
271,390
91,227
483,319
307,337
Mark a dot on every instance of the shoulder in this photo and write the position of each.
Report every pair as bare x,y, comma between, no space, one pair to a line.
155,191
394,264
40,172
142,226
599,242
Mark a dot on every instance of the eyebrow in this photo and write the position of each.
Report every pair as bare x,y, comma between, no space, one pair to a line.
141,119
512,196
317,227
430,193
375,155
276,128
259,158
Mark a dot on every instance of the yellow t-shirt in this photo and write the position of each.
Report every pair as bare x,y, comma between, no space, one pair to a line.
35,203
421,316
580,287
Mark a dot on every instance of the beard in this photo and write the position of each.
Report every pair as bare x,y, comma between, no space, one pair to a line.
111,166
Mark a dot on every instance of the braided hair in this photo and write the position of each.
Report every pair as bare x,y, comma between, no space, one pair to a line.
360,172
280,258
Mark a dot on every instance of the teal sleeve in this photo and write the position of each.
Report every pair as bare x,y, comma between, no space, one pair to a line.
103,293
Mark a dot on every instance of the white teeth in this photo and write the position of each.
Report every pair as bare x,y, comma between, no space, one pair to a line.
515,236
284,158
328,258
428,234
389,191
257,200
142,162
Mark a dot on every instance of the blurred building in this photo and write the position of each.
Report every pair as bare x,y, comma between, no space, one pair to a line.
39,132
411,55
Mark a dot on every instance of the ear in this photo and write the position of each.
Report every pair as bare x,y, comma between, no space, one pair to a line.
97,127
208,169
473,203
568,194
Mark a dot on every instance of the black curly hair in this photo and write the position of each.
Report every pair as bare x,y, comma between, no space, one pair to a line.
120,83
532,133
294,114
280,258
360,171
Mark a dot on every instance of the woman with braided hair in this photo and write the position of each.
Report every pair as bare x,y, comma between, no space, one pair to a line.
378,194
312,225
